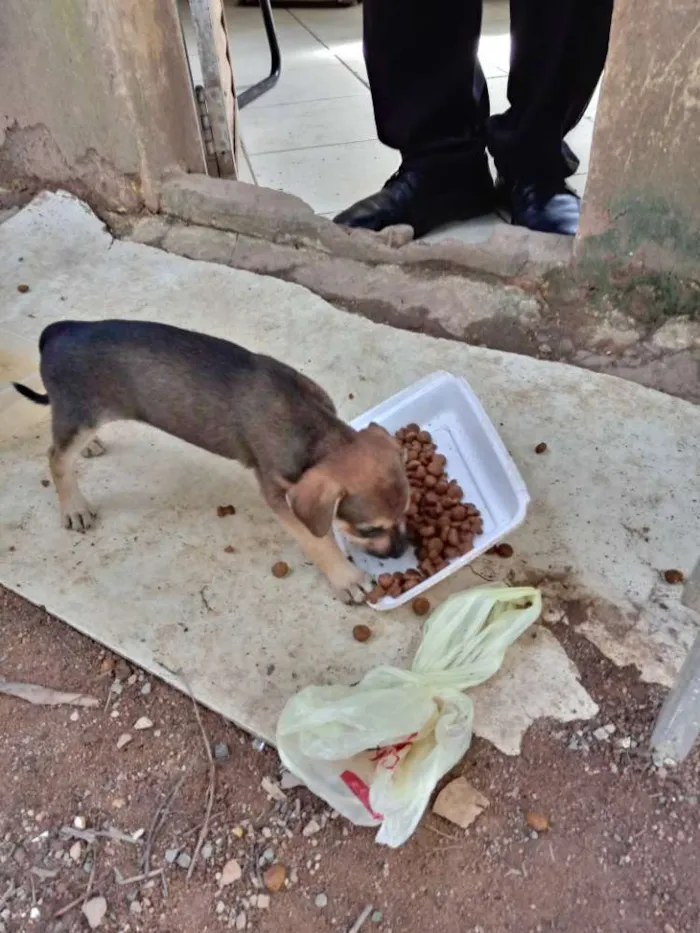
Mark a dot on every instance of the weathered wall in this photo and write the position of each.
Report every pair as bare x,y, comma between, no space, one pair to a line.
95,95
642,199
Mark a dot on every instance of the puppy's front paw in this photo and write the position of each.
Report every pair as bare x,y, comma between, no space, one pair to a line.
351,584
94,449
78,515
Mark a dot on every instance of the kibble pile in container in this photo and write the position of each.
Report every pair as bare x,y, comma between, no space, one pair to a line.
440,524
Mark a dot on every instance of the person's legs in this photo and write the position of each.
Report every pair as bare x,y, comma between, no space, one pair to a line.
431,104
559,50
422,67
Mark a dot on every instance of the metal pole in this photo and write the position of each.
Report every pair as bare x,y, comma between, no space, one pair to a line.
678,724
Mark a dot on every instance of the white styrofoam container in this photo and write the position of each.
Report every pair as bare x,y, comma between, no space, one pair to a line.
477,459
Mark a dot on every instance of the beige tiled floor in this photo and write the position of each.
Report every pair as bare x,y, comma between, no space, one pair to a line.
314,134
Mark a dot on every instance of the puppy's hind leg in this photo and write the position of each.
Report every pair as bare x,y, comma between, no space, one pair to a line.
76,512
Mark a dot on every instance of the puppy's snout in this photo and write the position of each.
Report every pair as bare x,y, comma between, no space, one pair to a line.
399,541
396,543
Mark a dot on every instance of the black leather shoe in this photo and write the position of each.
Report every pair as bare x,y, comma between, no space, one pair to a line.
424,200
547,206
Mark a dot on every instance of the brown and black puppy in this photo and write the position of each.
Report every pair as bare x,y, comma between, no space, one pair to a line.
312,467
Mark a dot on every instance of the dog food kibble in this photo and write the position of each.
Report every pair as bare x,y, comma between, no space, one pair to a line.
224,510
280,569
362,633
537,821
541,448
440,524
673,576
229,549
421,606
23,289
501,550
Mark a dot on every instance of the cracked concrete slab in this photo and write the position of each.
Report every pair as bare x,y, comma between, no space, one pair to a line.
155,583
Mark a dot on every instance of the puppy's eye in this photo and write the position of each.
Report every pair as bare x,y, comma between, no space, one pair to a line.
373,531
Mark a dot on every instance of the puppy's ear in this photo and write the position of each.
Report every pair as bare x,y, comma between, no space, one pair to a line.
314,500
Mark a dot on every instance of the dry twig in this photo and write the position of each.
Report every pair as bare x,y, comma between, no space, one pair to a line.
8,893
196,829
355,928
83,897
439,832
159,818
143,877
210,788
45,696
91,835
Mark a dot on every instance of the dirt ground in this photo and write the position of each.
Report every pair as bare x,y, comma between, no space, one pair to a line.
621,852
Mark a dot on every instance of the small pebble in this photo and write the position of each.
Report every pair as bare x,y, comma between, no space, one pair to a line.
263,901
275,877
311,828
230,873
289,781
80,822
122,671
321,901
135,907
76,852
74,717
146,688
377,916
207,851
241,921
124,739
220,907
184,860
143,722
552,615
171,855
221,751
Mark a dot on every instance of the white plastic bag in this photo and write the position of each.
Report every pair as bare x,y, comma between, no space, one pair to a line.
375,751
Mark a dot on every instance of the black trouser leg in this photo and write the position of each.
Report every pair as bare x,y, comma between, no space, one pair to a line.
558,54
429,93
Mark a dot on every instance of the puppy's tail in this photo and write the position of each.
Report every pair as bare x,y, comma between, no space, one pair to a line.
33,396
